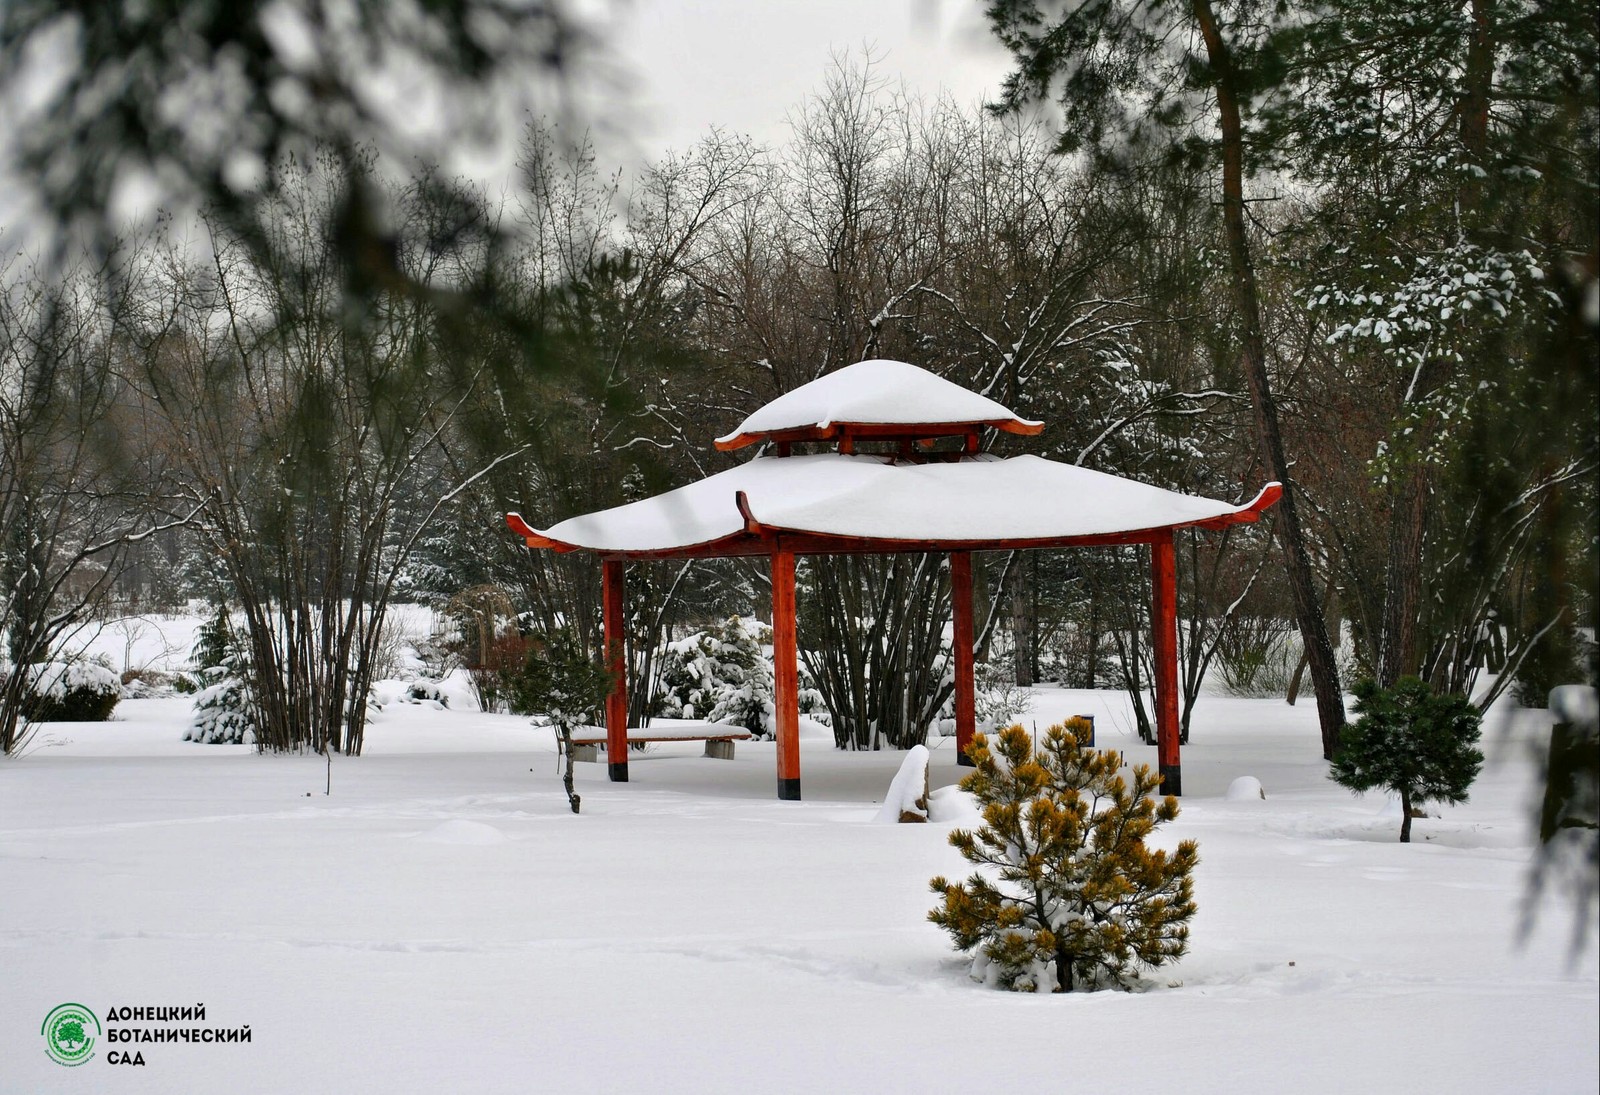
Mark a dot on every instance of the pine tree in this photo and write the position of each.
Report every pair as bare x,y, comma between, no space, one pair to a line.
224,705
568,686
1410,740
1079,901
718,675
724,674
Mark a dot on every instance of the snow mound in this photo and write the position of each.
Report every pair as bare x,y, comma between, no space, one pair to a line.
812,729
907,799
459,831
953,806
1245,789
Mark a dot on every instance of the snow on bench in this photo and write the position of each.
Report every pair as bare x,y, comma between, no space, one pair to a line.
718,736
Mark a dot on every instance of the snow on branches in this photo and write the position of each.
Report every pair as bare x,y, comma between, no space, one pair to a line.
1434,316
1068,895
723,673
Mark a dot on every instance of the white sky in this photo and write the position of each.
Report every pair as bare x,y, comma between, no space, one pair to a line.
668,70
681,66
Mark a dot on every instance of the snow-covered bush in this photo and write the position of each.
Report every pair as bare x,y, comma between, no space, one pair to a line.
718,675
1070,896
1256,655
222,712
138,684
224,708
997,698
1410,740
424,690
73,690
724,674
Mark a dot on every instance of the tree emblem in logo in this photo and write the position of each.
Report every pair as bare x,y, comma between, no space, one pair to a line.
69,1033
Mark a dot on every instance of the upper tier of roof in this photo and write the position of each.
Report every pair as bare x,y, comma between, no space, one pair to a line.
875,398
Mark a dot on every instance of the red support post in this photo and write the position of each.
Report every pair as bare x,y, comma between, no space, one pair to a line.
617,701
961,609
1164,638
786,675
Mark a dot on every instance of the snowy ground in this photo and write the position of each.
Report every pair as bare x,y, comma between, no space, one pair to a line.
442,923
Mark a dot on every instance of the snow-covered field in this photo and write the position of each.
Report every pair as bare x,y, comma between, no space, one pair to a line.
442,923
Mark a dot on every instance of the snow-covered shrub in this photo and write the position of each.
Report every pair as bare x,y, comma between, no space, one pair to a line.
718,675
997,698
138,684
423,690
1410,740
222,711
224,707
1256,655
724,674
1070,896
73,690
811,702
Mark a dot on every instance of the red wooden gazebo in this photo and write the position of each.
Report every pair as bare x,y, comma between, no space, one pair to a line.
905,499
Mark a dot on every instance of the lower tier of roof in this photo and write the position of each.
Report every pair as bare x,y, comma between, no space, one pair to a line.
834,502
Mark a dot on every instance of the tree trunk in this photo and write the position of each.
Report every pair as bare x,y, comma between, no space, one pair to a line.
1022,623
1405,818
573,798
1478,86
1094,640
1291,537
1402,595
1333,618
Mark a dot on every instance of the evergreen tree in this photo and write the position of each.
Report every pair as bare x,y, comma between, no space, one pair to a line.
724,673
717,674
1410,740
1080,900
568,686
224,705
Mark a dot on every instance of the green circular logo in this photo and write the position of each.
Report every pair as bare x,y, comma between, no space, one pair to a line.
69,1034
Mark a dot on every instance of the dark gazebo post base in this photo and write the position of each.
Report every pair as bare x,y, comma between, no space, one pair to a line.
617,701
1164,636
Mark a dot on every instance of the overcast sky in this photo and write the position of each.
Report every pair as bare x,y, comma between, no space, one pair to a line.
684,65
666,71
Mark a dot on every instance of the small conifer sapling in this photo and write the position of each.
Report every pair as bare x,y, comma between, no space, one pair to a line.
567,686
1419,744
1068,895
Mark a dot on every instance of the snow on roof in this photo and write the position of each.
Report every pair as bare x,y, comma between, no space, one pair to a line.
975,500
877,392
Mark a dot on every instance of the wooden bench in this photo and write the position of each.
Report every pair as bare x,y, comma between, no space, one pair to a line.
587,741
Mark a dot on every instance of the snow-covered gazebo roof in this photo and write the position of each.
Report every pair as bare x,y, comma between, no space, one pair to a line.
841,502
850,502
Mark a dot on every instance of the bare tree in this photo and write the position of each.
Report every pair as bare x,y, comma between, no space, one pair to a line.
314,441
76,470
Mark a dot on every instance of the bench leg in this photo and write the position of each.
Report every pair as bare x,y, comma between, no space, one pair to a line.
719,750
